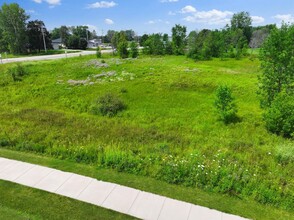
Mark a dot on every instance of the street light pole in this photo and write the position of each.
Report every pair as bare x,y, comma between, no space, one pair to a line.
42,30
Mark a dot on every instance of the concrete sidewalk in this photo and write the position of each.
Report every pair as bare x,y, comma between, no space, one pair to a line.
119,198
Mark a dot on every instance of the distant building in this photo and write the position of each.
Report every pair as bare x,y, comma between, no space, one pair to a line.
94,43
57,44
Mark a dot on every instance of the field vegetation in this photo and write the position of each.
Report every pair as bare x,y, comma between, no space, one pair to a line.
168,128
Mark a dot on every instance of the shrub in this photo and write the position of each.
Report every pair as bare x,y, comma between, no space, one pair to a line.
108,105
123,49
134,50
225,104
17,72
279,117
98,52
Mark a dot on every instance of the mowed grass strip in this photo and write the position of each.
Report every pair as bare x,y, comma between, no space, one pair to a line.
20,202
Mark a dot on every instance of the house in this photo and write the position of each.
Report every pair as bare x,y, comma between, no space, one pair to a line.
57,44
94,43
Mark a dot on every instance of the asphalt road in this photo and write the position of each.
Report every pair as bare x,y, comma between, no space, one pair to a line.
51,57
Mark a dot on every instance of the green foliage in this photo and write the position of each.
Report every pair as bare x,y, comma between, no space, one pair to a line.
154,45
178,39
35,31
108,105
277,57
17,72
98,52
242,21
123,46
13,22
277,80
279,117
225,104
134,50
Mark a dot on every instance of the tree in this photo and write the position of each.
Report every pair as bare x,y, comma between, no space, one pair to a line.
154,45
35,31
123,46
83,44
276,84
13,23
168,49
130,35
98,52
110,34
225,104
134,50
143,39
178,39
55,33
279,118
277,64
81,32
115,39
64,34
242,21
73,42
3,42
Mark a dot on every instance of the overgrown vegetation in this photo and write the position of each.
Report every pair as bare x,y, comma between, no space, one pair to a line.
225,104
17,72
169,130
108,105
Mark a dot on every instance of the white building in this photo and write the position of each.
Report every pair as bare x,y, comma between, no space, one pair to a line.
94,43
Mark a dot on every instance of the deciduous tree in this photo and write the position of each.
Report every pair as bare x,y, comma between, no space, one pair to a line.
13,24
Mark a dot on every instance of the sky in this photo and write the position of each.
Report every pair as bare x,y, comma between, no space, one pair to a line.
153,16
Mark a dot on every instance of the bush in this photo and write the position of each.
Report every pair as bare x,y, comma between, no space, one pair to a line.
108,105
134,50
98,52
17,72
225,104
123,49
279,117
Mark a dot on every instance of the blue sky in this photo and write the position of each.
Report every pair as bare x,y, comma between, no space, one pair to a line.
153,16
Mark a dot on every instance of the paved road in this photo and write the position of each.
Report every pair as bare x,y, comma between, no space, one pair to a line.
119,198
51,57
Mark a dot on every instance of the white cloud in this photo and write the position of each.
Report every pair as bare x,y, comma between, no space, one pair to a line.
108,21
102,4
157,21
210,17
257,19
164,1
288,18
50,2
188,9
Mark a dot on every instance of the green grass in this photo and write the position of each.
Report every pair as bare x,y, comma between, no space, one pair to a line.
245,208
20,202
170,130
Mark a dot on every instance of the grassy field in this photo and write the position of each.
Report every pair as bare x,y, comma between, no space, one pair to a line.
169,131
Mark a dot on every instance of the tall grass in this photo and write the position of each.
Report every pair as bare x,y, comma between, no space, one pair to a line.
170,130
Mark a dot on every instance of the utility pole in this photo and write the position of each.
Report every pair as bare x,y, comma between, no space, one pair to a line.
102,32
42,30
